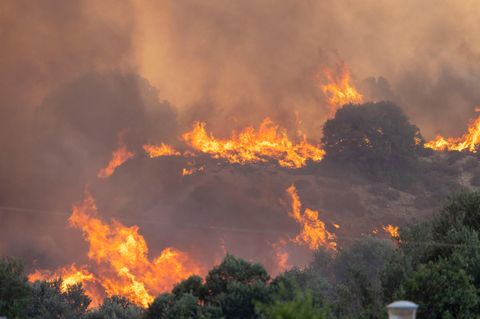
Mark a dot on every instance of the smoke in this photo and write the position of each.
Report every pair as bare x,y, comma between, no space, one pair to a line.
266,56
73,133
74,74
45,45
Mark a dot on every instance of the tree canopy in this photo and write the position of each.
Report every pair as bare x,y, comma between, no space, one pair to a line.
374,137
435,263
14,288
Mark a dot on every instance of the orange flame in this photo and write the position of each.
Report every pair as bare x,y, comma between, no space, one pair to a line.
338,89
119,156
281,255
313,234
469,141
70,276
392,230
192,170
160,150
251,146
119,258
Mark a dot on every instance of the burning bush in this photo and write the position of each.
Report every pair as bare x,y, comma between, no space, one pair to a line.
229,291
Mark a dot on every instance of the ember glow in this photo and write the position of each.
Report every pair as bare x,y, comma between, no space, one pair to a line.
391,230
119,156
313,233
119,261
192,170
339,90
468,142
268,143
160,150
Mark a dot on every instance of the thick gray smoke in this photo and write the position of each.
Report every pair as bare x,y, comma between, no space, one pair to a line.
73,133
266,56
74,74
45,46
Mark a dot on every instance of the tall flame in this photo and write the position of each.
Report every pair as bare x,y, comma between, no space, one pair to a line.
269,142
120,263
119,156
339,90
313,234
469,141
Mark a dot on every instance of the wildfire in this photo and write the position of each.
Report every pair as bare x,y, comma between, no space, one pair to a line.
267,143
338,89
160,150
392,230
119,257
72,275
281,255
313,234
469,141
119,156
192,170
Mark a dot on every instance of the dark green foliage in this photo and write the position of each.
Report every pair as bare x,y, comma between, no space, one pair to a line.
116,307
394,272
160,307
439,261
358,275
48,301
192,285
77,300
287,285
234,270
323,263
443,290
169,306
14,289
458,226
435,263
302,306
349,283
375,138
230,291
234,285
463,210
414,242
186,307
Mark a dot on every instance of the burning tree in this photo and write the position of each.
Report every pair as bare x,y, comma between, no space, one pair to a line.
230,290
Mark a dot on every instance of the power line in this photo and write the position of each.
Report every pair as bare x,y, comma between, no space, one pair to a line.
229,229
148,221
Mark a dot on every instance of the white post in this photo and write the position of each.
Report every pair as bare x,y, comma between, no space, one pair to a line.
402,309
